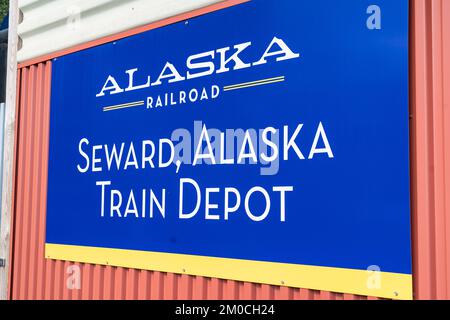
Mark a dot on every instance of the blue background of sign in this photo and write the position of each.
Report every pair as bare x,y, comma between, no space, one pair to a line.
348,212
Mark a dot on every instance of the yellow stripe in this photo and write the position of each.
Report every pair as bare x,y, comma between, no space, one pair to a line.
253,82
125,105
393,285
252,85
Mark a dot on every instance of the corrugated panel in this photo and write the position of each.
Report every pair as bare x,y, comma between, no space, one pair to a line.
33,277
430,111
49,26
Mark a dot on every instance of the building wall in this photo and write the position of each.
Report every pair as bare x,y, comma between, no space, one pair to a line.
49,26
33,277
430,147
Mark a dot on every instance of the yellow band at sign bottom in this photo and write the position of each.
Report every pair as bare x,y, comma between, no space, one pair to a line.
340,280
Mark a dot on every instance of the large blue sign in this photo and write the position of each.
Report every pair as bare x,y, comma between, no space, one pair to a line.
264,142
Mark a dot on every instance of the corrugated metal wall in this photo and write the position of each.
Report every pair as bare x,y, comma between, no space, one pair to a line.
49,26
430,109
33,277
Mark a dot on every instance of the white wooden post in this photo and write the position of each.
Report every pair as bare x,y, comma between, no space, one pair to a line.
8,151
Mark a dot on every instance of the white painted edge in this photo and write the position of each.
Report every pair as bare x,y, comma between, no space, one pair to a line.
8,151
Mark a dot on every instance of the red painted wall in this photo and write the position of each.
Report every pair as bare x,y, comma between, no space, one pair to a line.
430,147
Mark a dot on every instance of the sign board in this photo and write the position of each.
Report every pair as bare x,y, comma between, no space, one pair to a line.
265,142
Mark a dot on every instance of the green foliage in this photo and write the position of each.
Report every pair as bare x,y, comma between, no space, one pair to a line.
4,8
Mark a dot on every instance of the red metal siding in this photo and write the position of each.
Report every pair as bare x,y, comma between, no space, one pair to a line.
33,277
430,154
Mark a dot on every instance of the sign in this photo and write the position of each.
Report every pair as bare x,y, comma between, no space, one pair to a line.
265,142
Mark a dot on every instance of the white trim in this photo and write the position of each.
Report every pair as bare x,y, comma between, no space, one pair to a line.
8,152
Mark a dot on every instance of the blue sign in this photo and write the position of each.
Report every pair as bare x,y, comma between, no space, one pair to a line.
265,142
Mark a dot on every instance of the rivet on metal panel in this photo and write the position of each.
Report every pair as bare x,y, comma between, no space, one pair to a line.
186,22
